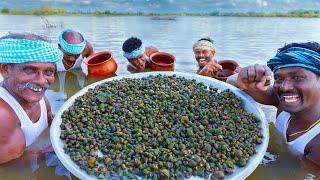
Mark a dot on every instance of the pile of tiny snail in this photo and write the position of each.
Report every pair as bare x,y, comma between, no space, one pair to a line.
159,127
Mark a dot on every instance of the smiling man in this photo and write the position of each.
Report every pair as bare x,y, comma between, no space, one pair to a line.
204,52
27,64
295,92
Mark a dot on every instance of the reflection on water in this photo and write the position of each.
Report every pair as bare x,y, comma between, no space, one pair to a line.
32,165
67,84
247,40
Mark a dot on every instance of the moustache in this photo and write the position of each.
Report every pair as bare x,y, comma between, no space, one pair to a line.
29,85
287,91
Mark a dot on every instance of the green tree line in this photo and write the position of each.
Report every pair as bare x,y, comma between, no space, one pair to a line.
61,11
37,12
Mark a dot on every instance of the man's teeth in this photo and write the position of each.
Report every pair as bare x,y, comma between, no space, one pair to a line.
36,89
202,60
291,99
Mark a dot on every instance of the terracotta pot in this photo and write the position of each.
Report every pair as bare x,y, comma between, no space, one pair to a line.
101,64
228,68
161,61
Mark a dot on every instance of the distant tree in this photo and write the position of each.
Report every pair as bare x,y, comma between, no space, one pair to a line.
5,10
215,13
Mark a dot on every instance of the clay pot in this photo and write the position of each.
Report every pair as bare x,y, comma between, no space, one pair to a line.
101,64
161,61
228,69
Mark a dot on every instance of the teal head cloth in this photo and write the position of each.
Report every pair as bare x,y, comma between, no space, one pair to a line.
296,57
23,50
135,53
71,48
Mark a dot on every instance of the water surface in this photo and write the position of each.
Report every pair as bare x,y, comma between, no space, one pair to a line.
246,40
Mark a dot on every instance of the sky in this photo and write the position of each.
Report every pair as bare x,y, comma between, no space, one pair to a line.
162,6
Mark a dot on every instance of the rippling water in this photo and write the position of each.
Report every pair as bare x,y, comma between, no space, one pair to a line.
246,40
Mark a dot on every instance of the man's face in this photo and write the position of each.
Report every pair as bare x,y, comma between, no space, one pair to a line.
69,57
140,62
27,82
203,56
297,88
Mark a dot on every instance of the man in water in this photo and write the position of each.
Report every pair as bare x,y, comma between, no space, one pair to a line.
295,92
137,54
204,52
28,67
74,48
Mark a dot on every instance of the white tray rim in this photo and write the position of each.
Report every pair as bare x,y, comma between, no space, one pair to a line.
250,105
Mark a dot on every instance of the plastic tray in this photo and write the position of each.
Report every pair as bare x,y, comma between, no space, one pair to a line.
250,106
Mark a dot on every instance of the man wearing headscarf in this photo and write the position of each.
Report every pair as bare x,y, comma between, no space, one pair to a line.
74,48
27,64
204,52
295,92
137,54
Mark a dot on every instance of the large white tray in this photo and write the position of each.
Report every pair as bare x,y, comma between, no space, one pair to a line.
250,105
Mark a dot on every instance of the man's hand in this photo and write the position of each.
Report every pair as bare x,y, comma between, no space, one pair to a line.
254,77
150,50
210,68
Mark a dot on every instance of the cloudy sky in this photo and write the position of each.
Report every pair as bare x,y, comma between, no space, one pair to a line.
167,5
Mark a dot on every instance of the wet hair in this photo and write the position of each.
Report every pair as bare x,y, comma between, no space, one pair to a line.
206,39
72,37
25,35
131,44
308,45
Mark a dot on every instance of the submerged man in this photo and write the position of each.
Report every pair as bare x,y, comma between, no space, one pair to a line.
137,54
74,48
204,52
28,67
295,92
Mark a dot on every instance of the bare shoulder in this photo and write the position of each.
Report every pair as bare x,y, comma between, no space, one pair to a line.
12,139
312,150
150,50
49,112
88,50
8,119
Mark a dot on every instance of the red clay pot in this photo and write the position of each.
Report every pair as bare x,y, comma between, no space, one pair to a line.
161,61
101,64
228,69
